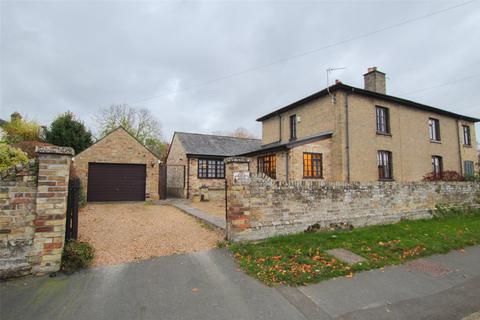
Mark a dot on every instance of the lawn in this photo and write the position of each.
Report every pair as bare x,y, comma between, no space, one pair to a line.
300,259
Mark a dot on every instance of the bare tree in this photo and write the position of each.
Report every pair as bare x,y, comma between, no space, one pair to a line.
240,132
139,122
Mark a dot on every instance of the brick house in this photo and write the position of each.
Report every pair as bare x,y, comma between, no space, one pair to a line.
118,168
344,133
200,160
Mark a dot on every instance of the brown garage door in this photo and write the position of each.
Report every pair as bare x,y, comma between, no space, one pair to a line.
116,182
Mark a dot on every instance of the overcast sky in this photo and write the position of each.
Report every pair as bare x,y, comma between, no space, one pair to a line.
82,55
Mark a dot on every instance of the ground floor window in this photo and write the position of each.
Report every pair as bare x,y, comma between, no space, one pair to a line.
437,165
211,169
385,169
312,165
267,165
469,168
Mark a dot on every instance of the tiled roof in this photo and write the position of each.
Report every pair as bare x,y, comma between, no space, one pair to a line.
277,146
213,145
350,89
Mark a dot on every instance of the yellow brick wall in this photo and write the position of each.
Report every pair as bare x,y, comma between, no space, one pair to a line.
409,140
119,147
216,187
175,175
315,116
296,159
177,156
270,130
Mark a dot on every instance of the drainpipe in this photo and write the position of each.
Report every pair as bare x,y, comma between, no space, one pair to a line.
347,139
459,148
279,128
188,177
286,165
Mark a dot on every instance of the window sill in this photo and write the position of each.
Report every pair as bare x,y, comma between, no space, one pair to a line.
467,145
436,141
386,180
384,134
313,178
205,178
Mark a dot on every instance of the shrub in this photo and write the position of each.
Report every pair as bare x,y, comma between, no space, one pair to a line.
76,255
474,178
10,156
82,197
29,147
18,130
448,175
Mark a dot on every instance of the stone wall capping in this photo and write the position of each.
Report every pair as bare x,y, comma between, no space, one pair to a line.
55,150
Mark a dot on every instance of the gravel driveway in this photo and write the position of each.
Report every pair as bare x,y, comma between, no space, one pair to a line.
124,232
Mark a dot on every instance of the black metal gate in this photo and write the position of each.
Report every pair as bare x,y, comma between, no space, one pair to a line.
71,227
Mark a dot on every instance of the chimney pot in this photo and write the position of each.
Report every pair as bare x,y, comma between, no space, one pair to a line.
337,81
375,80
15,116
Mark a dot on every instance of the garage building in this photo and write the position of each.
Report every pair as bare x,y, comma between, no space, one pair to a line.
118,168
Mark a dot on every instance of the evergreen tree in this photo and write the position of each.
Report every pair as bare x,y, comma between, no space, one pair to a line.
67,131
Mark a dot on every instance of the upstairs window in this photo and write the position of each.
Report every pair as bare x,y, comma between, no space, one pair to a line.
211,169
434,129
293,127
468,166
385,169
383,120
312,165
437,165
267,165
467,140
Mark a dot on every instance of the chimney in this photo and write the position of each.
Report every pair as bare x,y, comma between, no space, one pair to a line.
15,116
375,80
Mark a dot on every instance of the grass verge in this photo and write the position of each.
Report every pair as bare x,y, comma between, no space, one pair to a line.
301,259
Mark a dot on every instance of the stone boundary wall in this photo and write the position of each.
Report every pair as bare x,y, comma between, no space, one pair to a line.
33,200
259,207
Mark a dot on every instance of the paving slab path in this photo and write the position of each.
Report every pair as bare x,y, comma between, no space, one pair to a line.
208,285
183,205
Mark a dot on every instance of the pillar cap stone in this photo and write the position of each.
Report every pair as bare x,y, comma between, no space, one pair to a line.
55,150
236,160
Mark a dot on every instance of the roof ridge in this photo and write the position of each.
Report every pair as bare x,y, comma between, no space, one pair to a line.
385,96
216,135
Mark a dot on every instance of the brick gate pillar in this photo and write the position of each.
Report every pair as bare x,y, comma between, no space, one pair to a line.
237,177
51,206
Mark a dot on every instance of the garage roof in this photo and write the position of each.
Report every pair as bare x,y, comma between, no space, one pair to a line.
214,145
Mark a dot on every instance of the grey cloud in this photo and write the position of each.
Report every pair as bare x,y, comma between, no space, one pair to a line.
82,55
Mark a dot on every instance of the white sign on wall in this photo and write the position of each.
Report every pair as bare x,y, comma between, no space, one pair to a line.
241,177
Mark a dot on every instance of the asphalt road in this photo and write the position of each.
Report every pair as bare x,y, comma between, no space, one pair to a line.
208,285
